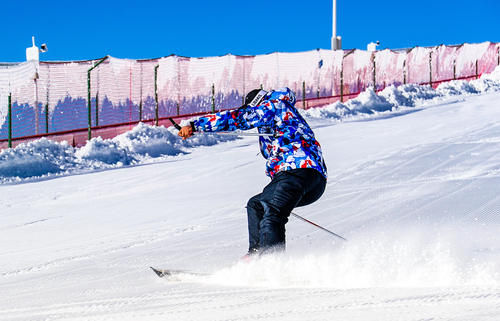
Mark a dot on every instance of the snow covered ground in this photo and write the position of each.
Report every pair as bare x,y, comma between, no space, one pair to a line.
414,186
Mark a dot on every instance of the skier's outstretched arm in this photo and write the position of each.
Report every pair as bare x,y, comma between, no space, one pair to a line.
243,118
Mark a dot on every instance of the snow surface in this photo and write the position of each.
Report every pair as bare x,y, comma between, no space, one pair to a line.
414,176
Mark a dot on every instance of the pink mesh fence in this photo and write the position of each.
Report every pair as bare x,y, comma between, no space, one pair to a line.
52,97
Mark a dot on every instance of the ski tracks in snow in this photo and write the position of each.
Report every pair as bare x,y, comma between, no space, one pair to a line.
141,239
441,175
182,302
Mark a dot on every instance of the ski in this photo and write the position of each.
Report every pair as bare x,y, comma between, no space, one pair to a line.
169,273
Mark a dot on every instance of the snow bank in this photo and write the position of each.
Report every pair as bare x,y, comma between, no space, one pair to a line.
44,158
35,159
393,98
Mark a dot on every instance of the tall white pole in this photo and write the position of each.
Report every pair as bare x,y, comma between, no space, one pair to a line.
334,22
336,41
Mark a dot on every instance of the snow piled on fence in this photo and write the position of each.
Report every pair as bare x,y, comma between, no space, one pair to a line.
44,158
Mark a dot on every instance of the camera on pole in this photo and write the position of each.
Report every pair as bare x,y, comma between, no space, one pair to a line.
33,52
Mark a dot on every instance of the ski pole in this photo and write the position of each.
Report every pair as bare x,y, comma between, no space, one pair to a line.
318,226
178,127
240,134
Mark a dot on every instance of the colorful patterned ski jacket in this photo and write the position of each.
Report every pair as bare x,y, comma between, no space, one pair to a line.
294,144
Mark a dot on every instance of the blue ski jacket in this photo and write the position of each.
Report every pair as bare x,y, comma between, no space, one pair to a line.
293,144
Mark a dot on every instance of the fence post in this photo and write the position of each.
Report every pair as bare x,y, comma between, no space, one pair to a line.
156,95
477,69
454,69
404,71
342,81
97,108
374,72
140,100
213,98
89,97
430,68
304,94
89,107
47,118
9,119
140,110
37,120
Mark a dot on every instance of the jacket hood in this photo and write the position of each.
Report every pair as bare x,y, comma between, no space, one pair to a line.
285,94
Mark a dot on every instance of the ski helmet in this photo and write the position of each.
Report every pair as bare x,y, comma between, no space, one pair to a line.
254,97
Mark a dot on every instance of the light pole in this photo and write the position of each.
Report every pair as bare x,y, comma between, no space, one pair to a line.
336,40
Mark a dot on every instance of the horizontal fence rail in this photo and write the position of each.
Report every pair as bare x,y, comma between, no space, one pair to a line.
77,100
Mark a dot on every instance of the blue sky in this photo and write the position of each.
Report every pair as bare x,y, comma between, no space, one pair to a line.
149,29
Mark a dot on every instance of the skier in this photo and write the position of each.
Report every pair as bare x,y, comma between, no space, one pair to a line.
294,162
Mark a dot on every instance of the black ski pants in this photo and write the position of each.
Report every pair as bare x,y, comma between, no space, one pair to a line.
268,211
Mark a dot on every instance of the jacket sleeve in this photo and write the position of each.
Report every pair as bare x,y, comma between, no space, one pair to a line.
242,118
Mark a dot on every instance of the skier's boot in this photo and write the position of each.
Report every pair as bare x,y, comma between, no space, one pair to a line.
252,254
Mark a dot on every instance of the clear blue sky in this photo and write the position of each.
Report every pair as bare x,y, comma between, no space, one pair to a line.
149,29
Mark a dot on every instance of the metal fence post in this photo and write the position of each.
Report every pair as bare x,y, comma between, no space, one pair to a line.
9,119
47,107
404,71
89,98
213,98
140,100
454,69
37,120
244,89
374,72
342,81
47,118
97,108
156,95
140,110
430,68
304,94
89,107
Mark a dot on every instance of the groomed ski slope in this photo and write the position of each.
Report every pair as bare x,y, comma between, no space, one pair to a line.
414,185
